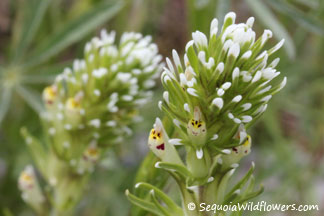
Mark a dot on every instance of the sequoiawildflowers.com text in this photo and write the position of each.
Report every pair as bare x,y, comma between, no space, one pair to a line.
251,206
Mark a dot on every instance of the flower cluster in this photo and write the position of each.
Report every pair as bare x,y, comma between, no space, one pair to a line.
219,89
93,104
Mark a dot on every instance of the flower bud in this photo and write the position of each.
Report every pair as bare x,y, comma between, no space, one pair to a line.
158,142
31,192
196,129
49,95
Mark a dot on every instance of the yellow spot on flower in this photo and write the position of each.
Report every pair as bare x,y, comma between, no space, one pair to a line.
91,153
73,104
49,94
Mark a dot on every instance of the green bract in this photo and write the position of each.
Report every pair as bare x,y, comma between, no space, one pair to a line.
90,107
219,89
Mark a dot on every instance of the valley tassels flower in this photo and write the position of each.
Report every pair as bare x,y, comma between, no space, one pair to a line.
222,86
90,107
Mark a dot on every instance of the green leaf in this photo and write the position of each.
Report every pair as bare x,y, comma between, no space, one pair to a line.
74,31
148,206
242,182
250,195
158,205
160,194
220,195
306,21
36,149
32,97
30,25
268,19
183,171
5,102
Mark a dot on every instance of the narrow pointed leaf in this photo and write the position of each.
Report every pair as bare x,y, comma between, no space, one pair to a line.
75,30
5,102
31,24
268,18
148,206
32,97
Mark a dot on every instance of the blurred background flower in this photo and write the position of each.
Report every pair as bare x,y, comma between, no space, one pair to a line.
38,38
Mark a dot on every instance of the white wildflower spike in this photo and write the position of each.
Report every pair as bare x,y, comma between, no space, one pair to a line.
222,87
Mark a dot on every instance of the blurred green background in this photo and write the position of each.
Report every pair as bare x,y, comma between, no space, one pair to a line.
38,38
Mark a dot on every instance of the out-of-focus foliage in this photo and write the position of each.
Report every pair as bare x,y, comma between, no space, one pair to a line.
288,142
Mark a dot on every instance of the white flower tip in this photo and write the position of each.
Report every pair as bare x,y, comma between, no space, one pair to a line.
226,151
231,172
268,33
199,153
220,161
157,165
218,102
192,92
160,105
189,44
237,120
210,179
250,22
283,83
266,98
175,141
246,118
213,27
237,99
158,124
234,50
238,191
138,185
215,137
166,97
234,165
226,85
186,107
230,115
231,15
176,122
